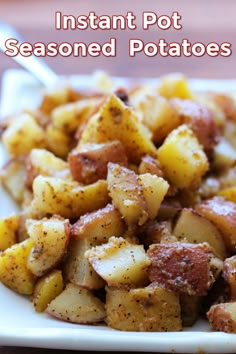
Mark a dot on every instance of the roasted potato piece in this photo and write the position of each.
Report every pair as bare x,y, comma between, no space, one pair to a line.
99,225
145,309
120,263
12,176
8,231
126,194
77,268
195,228
157,113
14,272
182,158
156,232
224,155
150,165
174,85
50,238
58,142
222,317
182,267
228,193
154,189
43,162
89,162
46,289
115,121
190,309
229,275
53,195
23,129
222,214
78,305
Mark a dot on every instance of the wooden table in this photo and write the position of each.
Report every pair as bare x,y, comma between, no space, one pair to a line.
203,21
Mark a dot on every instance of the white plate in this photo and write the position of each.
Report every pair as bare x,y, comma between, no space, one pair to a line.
20,325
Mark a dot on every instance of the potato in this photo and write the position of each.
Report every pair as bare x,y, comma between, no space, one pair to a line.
156,113
222,317
89,162
182,267
14,272
156,232
58,142
120,263
190,309
195,228
12,176
227,103
53,195
78,305
182,158
46,289
43,162
229,275
23,129
68,117
174,85
200,119
224,155
144,309
228,193
154,189
98,226
8,231
126,194
115,121
57,96
77,268
50,238
150,165
222,214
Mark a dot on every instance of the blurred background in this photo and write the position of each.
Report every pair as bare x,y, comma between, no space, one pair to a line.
203,21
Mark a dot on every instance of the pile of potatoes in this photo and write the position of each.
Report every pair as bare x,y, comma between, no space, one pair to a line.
128,206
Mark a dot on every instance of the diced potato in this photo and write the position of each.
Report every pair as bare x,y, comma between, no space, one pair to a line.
145,309
228,193
89,162
150,165
222,317
58,141
115,121
224,155
50,238
13,175
68,117
182,158
8,231
174,85
156,113
99,225
200,119
126,194
77,268
46,289
227,103
195,228
43,162
120,263
14,272
190,309
222,214
67,198
154,189
182,267
55,97
78,305
23,135
156,232
229,274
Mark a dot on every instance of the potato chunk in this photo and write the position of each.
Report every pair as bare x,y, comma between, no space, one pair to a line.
145,309
229,274
126,194
52,195
78,305
120,262
46,289
14,272
89,162
222,214
222,317
182,267
195,228
182,158
115,121
50,238
8,231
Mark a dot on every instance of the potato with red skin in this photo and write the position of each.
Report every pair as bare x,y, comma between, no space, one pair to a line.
200,120
229,275
222,317
89,162
226,103
181,267
222,214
